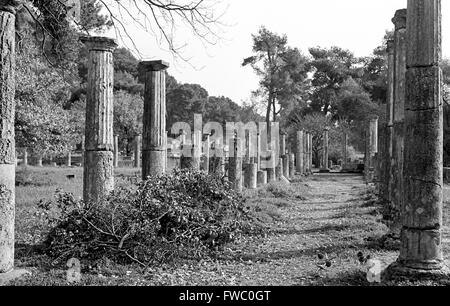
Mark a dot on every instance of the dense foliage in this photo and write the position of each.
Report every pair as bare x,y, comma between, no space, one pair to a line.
186,213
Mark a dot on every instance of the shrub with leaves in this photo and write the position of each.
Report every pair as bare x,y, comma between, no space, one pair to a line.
186,213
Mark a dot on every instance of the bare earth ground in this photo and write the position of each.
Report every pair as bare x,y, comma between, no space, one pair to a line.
330,215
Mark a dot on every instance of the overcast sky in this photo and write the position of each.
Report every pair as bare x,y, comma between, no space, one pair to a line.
357,25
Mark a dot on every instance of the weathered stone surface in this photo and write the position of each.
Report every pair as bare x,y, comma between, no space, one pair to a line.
424,22
271,172
251,176
306,153
262,178
154,119
98,175
7,278
7,135
279,170
291,165
154,162
235,163
98,144
300,153
388,153
116,151
99,96
7,86
421,249
423,89
7,213
207,157
285,160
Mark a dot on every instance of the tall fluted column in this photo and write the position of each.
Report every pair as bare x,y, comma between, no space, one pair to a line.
154,120
371,149
421,253
7,141
390,126
98,178
400,41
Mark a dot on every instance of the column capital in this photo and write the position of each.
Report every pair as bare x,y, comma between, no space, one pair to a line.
99,43
153,65
10,6
399,19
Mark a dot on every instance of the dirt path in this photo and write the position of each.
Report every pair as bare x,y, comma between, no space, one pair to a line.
332,221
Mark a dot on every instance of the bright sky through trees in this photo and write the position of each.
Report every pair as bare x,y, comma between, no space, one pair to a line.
357,25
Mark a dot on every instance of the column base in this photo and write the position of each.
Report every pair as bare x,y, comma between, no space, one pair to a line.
399,272
7,278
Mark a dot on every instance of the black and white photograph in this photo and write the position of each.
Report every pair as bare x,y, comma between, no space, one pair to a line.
218,151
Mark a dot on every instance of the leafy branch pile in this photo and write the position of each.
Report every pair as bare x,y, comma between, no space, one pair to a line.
186,213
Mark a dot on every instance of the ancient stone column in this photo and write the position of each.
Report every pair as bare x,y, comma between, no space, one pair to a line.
206,150
262,178
137,151
271,171
305,153
197,150
251,176
325,168
258,150
235,165
300,153
400,46
186,160
380,158
98,178
154,120
371,149
284,156
279,170
217,161
116,151
7,141
422,220
310,153
291,164
390,126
